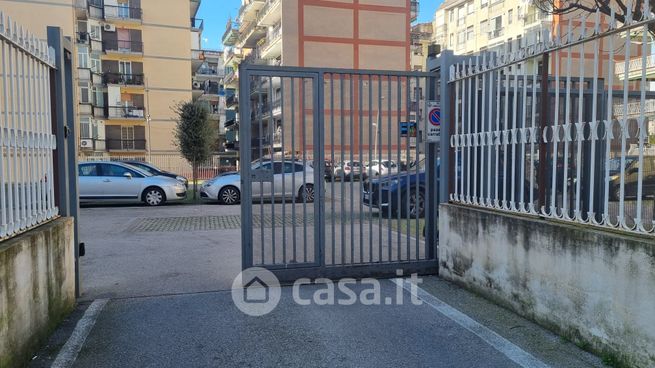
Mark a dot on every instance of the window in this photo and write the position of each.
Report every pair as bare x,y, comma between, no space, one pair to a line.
117,171
85,96
451,15
85,128
96,32
452,40
127,137
96,65
483,27
83,56
461,38
469,33
461,15
88,170
510,14
470,7
510,45
484,3
496,27
97,97
519,12
125,67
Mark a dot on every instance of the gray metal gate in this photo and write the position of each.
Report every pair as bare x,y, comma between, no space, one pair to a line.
334,172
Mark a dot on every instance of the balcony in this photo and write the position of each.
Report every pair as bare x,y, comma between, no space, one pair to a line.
126,112
232,101
495,33
272,47
122,47
81,9
248,11
250,36
271,13
635,68
231,77
231,35
123,13
123,79
414,10
126,144
197,24
633,109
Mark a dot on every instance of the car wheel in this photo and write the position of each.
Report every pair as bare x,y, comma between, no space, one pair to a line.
416,205
154,196
306,193
229,196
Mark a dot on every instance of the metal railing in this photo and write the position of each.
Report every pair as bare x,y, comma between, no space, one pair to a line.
27,143
123,12
123,46
124,79
550,142
126,144
125,112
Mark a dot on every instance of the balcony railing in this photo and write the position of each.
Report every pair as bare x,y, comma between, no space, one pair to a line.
231,34
495,33
197,23
124,79
122,46
635,67
126,144
125,112
123,12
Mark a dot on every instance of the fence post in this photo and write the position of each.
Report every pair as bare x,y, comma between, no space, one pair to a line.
63,113
543,124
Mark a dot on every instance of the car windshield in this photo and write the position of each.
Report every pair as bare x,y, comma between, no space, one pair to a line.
615,164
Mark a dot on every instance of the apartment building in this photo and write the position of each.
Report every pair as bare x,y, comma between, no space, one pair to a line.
470,26
373,34
133,60
421,38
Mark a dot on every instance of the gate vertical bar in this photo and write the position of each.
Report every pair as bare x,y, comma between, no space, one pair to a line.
245,155
319,162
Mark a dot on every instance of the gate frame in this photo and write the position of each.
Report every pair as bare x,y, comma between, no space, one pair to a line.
318,268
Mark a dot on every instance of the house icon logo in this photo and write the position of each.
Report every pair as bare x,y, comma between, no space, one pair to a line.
256,291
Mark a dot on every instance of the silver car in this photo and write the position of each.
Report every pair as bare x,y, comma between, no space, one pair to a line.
114,181
298,179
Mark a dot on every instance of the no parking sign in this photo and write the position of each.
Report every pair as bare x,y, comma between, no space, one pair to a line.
433,125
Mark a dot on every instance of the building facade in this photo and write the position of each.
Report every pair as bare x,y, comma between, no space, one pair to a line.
134,63
372,34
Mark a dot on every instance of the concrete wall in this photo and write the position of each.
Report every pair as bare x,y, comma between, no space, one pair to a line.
593,286
37,288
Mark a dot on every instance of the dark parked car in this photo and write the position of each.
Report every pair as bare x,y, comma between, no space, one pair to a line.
631,180
154,170
394,192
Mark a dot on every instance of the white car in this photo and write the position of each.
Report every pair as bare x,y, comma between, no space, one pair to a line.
115,181
298,179
384,167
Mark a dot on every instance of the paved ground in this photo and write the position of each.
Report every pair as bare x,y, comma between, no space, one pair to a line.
166,273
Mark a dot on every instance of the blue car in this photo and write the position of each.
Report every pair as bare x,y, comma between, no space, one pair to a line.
402,192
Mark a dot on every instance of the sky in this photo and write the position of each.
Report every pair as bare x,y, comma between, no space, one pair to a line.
216,13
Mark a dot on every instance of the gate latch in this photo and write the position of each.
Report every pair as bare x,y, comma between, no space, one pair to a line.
261,175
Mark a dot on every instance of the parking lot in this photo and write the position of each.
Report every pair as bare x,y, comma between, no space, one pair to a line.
135,250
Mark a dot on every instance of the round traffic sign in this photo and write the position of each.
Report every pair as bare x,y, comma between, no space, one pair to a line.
435,116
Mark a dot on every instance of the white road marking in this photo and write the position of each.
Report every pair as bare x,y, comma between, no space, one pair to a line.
68,353
504,346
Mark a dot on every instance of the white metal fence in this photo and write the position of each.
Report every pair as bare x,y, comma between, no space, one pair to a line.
174,163
543,130
27,195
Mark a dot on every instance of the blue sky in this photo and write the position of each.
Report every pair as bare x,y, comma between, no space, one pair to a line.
216,12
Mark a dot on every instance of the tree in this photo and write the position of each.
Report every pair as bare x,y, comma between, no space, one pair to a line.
193,136
560,7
